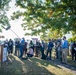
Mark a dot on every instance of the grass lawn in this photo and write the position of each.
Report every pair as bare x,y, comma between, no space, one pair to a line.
32,66
72,63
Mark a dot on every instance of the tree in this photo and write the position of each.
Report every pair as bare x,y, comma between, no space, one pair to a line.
4,6
40,16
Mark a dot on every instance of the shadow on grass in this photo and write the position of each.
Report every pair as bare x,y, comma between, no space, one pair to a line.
23,67
44,62
31,66
71,62
71,65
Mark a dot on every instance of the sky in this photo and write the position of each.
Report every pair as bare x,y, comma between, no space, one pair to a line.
16,31
16,26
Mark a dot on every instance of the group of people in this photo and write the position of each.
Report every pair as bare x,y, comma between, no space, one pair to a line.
61,47
64,48
9,45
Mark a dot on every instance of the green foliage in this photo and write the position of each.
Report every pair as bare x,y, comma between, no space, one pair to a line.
72,39
4,6
40,16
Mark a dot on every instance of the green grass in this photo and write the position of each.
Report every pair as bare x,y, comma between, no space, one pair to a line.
32,66
70,62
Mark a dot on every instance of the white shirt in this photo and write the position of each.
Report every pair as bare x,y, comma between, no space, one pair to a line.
31,51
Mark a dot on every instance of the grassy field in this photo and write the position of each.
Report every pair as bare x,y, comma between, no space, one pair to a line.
32,66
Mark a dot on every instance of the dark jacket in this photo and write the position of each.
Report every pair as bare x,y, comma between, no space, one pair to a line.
73,46
50,45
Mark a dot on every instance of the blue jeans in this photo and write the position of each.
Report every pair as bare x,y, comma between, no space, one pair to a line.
21,50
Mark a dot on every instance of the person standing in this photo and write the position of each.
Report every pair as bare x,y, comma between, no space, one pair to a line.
38,46
22,44
25,48
74,51
70,48
6,44
59,50
56,48
64,50
49,50
10,44
31,45
42,50
17,47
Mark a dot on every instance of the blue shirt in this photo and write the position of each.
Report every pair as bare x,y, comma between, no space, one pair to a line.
65,44
22,42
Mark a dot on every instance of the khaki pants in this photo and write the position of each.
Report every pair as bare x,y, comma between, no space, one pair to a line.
64,55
